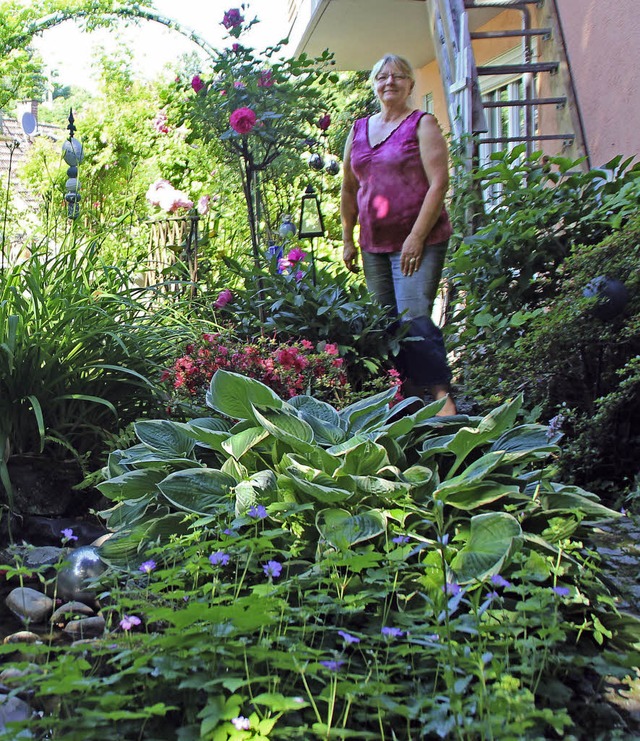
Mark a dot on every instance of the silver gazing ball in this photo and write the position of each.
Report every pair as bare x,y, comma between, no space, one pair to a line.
316,162
72,152
80,567
333,168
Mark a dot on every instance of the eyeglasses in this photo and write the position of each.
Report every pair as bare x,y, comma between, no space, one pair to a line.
394,77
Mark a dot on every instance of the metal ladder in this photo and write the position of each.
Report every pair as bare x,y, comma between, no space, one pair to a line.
453,43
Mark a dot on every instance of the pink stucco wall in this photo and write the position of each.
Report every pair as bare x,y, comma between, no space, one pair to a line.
603,46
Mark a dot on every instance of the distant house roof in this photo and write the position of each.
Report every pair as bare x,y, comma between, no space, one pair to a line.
11,132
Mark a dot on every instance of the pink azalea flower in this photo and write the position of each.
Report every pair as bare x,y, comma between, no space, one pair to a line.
224,297
331,349
324,122
266,78
243,120
197,84
232,19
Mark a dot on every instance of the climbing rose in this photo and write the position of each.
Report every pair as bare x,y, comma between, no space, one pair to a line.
243,120
197,84
232,19
324,122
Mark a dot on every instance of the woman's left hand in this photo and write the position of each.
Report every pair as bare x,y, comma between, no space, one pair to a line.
411,255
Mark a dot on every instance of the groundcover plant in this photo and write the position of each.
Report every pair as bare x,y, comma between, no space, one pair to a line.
285,570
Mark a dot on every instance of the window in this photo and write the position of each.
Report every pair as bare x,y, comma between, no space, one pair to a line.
427,103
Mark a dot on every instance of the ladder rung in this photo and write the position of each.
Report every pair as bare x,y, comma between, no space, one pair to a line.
517,103
498,3
513,139
506,34
516,69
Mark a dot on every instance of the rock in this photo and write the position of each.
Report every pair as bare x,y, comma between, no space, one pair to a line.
35,558
22,636
11,673
90,627
29,605
49,530
13,710
69,610
74,578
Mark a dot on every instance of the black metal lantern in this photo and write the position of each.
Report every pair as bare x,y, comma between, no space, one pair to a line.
311,223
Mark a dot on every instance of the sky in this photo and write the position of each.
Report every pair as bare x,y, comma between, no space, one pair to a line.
70,51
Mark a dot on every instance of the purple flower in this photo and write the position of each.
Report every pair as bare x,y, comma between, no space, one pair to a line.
332,666
561,591
272,569
219,558
499,581
129,621
348,638
67,534
443,539
242,120
258,512
451,588
392,632
324,123
241,723
197,84
555,425
147,567
224,297
231,533
399,539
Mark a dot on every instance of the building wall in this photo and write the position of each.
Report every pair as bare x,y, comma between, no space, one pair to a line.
603,46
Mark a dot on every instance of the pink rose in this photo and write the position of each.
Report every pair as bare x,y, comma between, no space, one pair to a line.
224,297
324,122
243,120
197,84
266,78
232,19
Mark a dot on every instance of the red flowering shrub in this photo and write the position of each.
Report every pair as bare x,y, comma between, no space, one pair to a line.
290,368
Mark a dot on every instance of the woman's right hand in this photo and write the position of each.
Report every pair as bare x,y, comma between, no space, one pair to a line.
350,257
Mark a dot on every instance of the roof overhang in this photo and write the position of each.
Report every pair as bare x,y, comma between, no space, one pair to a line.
359,32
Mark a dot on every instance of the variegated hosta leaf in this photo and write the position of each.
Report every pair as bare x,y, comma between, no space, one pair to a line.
205,491
261,488
131,484
472,496
320,486
209,432
493,539
140,456
165,437
287,427
342,529
525,443
237,445
376,486
235,395
309,406
365,459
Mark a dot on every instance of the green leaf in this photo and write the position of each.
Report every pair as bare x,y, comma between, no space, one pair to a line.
342,530
285,426
236,396
493,538
474,495
165,437
365,459
237,445
204,491
524,443
318,485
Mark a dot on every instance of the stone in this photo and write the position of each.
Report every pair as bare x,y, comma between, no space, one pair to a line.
29,605
22,636
85,627
35,558
69,610
14,710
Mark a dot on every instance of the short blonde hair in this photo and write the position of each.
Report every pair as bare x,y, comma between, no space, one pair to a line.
400,62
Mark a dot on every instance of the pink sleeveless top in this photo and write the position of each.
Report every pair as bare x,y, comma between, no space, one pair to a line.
392,186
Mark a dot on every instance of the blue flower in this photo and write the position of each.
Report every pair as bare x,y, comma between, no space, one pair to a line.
399,539
272,569
348,638
561,591
332,666
392,632
219,558
148,566
67,534
499,581
258,512
451,588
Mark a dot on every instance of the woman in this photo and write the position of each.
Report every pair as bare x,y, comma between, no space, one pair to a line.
395,180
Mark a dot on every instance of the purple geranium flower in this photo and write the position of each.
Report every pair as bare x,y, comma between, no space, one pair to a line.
392,632
561,591
348,638
399,539
241,723
332,666
67,534
499,581
219,558
148,566
129,621
272,569
259,512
